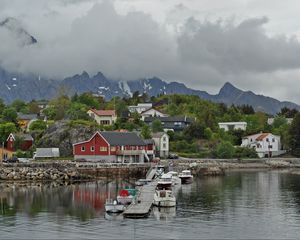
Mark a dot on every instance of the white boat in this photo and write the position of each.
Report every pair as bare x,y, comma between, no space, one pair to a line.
175,179
112,206
186,176
164,214
165,182
164,198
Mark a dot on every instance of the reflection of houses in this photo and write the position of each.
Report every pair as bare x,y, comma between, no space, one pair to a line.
24,120
177,123
112,147
227,126
152,112
265,144
141,107
161,140
5,153
103,117
24,141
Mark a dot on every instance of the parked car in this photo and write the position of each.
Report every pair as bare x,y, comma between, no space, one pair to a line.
173,156
11,160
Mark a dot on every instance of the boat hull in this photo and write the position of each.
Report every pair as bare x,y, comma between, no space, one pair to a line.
186,180
165,203
125,200
112,208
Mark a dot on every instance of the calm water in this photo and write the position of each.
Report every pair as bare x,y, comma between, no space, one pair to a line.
248,204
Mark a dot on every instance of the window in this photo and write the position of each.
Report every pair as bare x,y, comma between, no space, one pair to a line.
273,139
164,139
267,139
251,140
92,148
164,145
82,148
103,149
113,149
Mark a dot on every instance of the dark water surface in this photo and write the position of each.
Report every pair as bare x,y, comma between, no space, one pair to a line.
242,204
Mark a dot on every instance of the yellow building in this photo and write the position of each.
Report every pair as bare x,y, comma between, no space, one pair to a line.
5,154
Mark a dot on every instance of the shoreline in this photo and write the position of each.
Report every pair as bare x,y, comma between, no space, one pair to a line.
67,171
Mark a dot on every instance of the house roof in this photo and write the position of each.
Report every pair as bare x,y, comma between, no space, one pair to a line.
260,136
118,138
170,119
24,136
122,138
154,110
104,112
47,152
27,116
149,141
232,123
158,134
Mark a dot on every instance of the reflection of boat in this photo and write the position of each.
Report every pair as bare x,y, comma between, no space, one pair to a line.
165,182
175,179
164,213
112,206
164,198
113,216
186,177
126,196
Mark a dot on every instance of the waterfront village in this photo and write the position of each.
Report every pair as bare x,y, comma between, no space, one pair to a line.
162,140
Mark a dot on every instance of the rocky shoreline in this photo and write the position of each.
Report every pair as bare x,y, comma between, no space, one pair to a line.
69,171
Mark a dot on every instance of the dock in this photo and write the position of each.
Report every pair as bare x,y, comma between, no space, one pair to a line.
141,207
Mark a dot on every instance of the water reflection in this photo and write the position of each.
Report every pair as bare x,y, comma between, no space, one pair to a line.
241,204
83,201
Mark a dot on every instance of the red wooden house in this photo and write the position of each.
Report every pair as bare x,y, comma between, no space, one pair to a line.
112,147
26,142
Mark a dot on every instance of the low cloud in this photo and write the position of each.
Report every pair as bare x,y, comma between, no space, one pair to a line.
203,54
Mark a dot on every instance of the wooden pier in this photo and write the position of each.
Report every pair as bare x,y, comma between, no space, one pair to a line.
141,207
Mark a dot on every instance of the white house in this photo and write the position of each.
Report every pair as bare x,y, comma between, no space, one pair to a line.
233,126
161,140
141,107
152,112
265,144
103,117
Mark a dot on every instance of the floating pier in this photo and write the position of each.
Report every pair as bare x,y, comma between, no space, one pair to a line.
141,207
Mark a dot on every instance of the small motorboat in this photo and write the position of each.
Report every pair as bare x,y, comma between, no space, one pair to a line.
112,206
175,179
126,196
165,182
186,177
164,198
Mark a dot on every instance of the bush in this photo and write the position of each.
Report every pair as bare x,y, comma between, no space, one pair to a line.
244,152
224,150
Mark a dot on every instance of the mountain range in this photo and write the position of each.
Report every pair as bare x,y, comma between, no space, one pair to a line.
30,86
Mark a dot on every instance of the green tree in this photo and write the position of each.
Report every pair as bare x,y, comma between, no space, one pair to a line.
77,111
6,129
156,126
294,133
38,125
10,115
194,131
19,105
145,132
225,150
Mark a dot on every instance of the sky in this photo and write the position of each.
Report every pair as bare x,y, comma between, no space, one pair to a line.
253,44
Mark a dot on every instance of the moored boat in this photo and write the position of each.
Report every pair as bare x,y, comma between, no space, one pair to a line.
186,177
112,206
126,196
165,182
175,179
164,198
